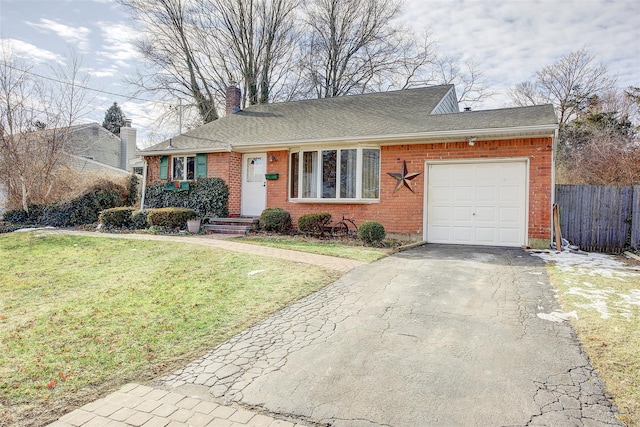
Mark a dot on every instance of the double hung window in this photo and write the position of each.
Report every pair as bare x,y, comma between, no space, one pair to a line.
184,167
335,174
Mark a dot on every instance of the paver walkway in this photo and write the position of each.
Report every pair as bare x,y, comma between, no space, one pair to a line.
139,405
219,241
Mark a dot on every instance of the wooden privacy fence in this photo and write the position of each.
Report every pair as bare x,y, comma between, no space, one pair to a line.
600,218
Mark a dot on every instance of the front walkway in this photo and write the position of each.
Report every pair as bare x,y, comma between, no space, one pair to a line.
139,405
221,242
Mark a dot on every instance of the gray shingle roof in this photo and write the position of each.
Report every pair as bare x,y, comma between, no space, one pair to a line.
367,117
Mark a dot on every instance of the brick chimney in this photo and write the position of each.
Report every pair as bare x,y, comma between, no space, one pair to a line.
233,97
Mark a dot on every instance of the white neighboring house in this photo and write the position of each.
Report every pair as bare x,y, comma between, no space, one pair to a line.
93,148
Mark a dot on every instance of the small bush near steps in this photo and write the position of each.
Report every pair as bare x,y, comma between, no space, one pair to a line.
170,217
371,232
275,219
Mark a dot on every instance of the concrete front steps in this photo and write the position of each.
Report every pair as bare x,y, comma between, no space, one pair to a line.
238,225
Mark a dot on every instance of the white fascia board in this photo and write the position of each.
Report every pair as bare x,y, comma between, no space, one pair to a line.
174,151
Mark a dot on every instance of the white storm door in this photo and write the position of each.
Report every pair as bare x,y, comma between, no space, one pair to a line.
477,203
254,184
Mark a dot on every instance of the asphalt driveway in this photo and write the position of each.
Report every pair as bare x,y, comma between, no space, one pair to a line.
438,335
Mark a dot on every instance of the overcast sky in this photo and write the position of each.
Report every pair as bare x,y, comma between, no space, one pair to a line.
510,40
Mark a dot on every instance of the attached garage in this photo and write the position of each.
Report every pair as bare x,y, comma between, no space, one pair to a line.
477,202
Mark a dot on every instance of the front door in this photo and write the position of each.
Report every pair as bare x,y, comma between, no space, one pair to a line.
254,185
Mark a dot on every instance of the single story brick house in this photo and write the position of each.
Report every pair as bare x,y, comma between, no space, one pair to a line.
408,159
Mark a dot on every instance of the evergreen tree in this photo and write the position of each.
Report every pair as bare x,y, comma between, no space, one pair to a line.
114,119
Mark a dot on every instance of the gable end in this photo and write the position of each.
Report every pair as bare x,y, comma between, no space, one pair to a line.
448,103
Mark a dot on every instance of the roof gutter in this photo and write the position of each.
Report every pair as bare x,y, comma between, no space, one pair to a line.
173,150
394,139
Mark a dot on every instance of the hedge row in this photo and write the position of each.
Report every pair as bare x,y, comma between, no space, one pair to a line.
279,220
208,197
82,210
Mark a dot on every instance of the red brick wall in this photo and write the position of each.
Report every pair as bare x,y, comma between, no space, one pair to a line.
235,183
153,169
402,212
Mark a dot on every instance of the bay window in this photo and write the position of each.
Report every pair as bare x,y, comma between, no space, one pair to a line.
335,174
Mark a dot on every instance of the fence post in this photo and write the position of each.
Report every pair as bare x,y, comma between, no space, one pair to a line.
635,218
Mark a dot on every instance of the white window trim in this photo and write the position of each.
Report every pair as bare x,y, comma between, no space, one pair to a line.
333,200
184,172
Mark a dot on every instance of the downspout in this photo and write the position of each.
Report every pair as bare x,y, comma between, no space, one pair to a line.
554,147
144,183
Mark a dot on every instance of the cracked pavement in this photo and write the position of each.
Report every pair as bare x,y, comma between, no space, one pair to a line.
438,335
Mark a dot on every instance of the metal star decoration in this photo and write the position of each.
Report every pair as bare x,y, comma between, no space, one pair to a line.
404,177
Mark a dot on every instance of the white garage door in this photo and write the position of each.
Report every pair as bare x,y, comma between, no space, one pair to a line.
477,203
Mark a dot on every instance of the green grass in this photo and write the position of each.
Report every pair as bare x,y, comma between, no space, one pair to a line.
347,248
80,316
611,336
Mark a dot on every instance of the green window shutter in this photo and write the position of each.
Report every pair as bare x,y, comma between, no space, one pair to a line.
164,167
201,165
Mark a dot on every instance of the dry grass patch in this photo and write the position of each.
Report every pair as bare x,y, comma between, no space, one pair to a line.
80,316
604,292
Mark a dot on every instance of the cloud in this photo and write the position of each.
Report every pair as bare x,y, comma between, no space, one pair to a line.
118,44
78,36
29,52
512,40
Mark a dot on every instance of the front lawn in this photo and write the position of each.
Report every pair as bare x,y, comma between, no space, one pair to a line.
80,316
346,248
604,293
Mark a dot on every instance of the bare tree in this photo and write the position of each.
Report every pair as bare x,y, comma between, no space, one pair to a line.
603,159
250,42
349,43
567,84
36,113
469,80
168,43
285,50
197,47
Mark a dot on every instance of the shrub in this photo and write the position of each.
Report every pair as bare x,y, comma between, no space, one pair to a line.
314,223
132,196
139,220
7,228
371,232
116,217
206,196
275,219
81,210
170,217
16,216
